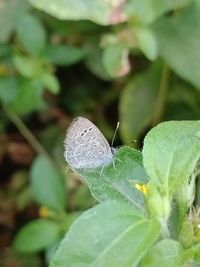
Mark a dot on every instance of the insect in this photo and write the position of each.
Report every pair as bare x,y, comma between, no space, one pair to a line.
85,145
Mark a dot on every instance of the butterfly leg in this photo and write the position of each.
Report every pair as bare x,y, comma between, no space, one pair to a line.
102,170
118,160
114,163
114,167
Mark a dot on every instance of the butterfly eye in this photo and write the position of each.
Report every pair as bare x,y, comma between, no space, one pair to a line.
90,129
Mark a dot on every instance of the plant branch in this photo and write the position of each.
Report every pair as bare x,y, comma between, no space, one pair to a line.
26,133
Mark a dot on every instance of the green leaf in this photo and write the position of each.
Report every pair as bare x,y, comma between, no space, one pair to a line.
115,59
5,51
149,10
8,89
147,42
50,250
109,184
137,103
28,89
50,82
181,54
196,260
100,11
27,66
31,33
82,198
195,264
10,11
36,235
172,140
165,253
187,233
94,61
64,55
182,102
110,234
47,184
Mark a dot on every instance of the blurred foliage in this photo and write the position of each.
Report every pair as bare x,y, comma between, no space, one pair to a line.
129,60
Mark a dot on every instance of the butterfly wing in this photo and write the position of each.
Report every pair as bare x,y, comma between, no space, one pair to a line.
85,146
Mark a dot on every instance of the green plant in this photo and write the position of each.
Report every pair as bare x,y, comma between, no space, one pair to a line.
112,41
27,66
48,189
156,225
165,34
61,59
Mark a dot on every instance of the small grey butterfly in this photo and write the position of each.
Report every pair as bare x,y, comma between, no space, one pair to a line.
85,145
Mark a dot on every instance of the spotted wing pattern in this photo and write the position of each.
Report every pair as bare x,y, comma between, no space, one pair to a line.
85,146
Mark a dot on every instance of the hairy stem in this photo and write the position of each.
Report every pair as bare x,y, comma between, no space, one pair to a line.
164,229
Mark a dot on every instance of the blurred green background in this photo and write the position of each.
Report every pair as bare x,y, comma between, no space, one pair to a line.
133,61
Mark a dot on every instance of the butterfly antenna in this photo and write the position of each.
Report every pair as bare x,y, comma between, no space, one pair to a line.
116,129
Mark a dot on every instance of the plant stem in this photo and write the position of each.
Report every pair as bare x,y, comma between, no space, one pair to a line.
164,229
26,133
35,144
161,95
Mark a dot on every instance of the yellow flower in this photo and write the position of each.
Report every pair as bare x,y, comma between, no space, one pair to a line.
44,212
142,188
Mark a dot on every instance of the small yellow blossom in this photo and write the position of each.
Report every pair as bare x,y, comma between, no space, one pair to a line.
142,188
44,212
